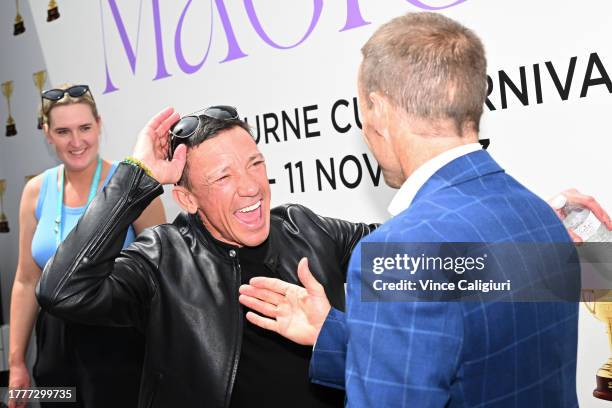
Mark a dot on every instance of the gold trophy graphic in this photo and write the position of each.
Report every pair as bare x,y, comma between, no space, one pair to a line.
52,11
18,28
4,227
7,91
40,78
599,303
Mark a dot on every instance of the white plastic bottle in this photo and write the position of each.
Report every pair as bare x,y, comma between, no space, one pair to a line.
582,221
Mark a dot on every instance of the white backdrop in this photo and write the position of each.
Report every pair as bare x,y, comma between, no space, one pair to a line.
271,56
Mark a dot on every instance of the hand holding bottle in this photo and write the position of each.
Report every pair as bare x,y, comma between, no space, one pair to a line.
583,216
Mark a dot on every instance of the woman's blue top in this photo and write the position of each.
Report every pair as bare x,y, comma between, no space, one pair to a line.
44,242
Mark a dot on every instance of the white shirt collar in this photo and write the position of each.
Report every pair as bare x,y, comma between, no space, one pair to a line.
404,196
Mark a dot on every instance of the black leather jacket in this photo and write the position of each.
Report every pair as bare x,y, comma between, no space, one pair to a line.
179,287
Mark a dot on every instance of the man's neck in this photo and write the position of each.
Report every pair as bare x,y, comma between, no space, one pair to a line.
420,143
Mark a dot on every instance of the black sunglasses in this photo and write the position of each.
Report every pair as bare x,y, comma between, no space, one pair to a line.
74,91
187,126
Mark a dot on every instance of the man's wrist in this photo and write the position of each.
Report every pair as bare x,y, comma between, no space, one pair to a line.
138,163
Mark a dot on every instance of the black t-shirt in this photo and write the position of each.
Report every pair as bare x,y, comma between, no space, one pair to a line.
273,371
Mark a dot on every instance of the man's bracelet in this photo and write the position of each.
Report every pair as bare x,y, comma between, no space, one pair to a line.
135,162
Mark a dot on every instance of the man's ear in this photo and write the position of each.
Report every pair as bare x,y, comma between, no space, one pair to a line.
185,199
380,112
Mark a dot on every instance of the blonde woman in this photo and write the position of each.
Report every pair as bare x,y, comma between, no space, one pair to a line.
104,363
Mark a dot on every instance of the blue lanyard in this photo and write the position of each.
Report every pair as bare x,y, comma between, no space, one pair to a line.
60,199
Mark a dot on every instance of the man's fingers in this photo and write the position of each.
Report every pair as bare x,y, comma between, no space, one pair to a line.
262,294
160,117
259,306
600,213
166,124
273,284
604,217
305,276
575,197
262,322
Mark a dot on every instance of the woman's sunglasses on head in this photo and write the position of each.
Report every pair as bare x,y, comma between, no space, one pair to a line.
75,91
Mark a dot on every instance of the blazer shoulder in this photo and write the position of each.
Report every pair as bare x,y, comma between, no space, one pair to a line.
410,226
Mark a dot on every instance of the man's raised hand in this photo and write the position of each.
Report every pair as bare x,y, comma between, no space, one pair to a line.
152,148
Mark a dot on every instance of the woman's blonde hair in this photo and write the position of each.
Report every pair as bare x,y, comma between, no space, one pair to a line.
86,98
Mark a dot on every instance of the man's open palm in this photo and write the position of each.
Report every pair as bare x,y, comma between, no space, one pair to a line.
294,312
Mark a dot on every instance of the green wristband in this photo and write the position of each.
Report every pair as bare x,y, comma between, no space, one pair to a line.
135,162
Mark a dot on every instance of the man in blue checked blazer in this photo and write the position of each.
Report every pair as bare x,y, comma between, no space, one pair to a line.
422,87
464,354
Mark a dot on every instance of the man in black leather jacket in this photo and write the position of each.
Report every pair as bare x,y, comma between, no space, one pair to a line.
178,282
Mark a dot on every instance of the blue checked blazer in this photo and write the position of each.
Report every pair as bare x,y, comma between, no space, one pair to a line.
455,354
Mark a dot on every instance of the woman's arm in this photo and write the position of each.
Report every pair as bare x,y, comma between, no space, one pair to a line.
24,307
153,215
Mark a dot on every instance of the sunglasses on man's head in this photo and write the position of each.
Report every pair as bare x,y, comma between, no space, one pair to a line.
57,94
187,126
